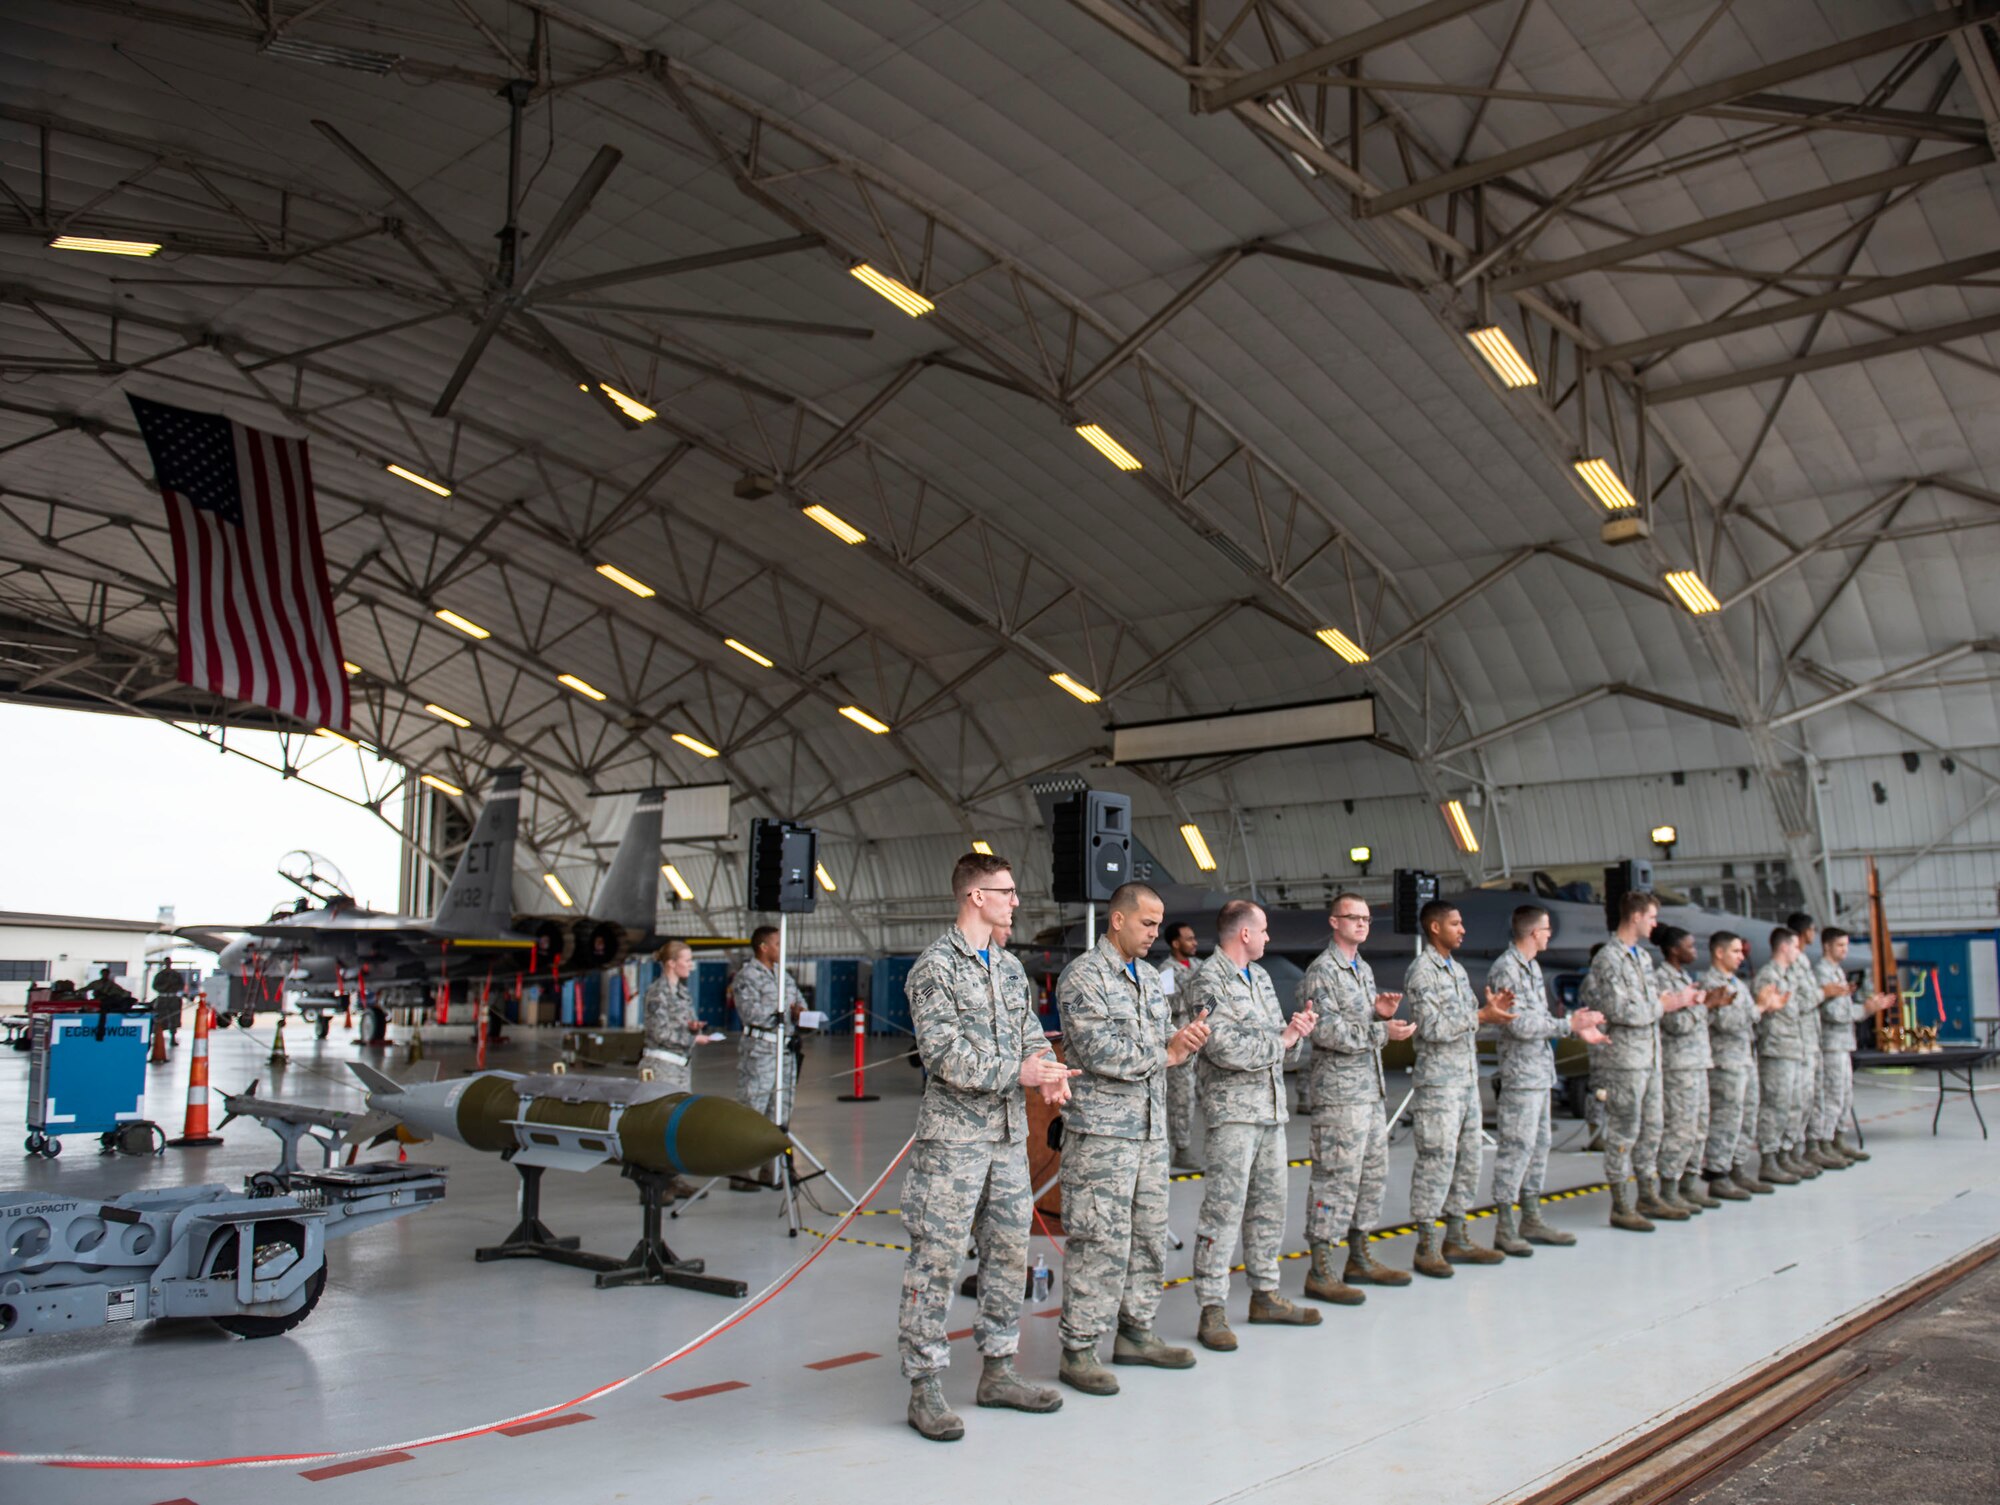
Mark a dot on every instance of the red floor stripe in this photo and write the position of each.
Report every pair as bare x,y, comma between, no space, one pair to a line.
707,1389
963,1332
699,1392
567,1419
1054,1311
182,1501
846,1358
355,1466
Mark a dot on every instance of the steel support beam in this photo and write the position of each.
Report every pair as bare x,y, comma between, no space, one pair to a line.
1915,339
1355,44
1879,682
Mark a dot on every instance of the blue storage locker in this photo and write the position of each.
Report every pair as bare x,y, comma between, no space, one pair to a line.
711,995
1965,993
888,1004
836,988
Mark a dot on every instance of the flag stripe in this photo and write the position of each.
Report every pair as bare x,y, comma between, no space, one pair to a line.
264,539
256,577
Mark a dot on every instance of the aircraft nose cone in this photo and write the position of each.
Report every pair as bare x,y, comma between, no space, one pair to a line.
700,1136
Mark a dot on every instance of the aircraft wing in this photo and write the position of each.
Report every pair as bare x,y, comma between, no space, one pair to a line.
208,937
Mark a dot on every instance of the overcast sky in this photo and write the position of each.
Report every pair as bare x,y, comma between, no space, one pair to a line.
114,816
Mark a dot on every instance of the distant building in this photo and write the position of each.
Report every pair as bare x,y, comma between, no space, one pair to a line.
38,948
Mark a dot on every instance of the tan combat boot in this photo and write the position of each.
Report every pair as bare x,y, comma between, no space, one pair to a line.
1136,1346
1669,1194
1459,1248
1507,1233
1429,1261
1746,1177
1271,1308
929,1415
1723,1188
1822,1154
1083,1370
1623,1214
1003,1387
1323,1284
1650,1204
1214,1330
1776,1172
1535,1231
1364,1269
1852,1152
1695,1194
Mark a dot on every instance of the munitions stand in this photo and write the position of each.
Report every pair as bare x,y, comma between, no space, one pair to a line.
651,1262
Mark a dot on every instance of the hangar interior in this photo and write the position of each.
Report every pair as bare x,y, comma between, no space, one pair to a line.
871,408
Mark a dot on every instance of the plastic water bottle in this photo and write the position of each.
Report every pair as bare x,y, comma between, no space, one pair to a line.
1040,1278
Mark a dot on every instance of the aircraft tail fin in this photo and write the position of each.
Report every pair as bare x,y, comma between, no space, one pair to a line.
376,1081
480,898
1147,868
630,897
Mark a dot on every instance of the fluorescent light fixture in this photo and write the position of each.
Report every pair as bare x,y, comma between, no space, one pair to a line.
1665,836
860,717
440,785
1693,591
350,666
556,888
630,406
1081,691
983,848
341,737
1342,644
329,55
825,878
416,480
105,247
909,300
748,652
617,576
695,745
1203,858
470,628
452,716
1281,110
1461,828
675,881
835,524
1506,361
581,686
1108,447
1603,480
1360,856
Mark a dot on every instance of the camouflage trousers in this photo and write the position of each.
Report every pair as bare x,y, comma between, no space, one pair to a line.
1631,1122
1732,1119
1114,1201
1836,1093
1350,1150
1521,1163
1243,1186
1181,1106
1684,1109
1809,1075
1593,1104
1445,1177
1779,1103
757,1086
952,1193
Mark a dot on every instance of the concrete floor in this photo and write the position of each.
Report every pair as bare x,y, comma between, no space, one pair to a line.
1466,1391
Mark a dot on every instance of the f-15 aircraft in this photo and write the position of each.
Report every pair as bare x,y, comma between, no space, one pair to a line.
318,950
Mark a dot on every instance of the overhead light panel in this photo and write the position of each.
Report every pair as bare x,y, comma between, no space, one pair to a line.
983,848
675,881
1461,828
1361,856
835,524
416,480
556,888
1342,644
860,717
1108,447
696,745
630,406
1603,480
909,300
470,628
452,716
350,666
1081,691
1665,836
440,785
341,737
330,55
617,576
1693,591
582,686
748,652
1203,858
105,247
1506,361
825,878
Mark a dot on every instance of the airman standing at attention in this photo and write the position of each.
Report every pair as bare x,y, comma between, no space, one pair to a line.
1175,973
1730,1156
1781,1060
1350,1129
1445,1109
1527,1077
1807,992
1114,1164
757,994
1241,1075
671,1025
1839,1012
1684,1063
981,1044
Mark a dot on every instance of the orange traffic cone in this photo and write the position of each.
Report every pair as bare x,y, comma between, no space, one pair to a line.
194,1130
159,1055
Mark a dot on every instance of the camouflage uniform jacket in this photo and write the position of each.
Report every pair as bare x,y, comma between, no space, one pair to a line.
1622,990
1447,1018
1526,1059
757,995
1778,1034
1240,1071
1837,1016
670,1019
1731,1027
1115,1030
1347,1044
1684,1032
975,1026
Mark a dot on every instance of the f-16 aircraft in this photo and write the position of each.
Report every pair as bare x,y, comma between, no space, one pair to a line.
319,949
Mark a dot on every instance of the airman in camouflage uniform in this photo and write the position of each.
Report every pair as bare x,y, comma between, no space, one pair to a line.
1114,1165
981,1044
671,1025
1445,1108
1241,1076
1350,1131
756,991
1527,1077
1806,989
1782,1047
1839,1011
1684,1062
1622,988
1176,976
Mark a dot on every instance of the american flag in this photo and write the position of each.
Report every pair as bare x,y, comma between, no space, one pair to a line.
256,617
